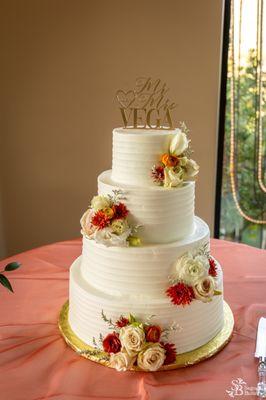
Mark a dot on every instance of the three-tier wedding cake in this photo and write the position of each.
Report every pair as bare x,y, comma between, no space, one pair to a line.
146,288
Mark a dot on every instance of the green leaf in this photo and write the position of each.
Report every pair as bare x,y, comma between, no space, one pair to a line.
137,324
12,266
131,319
5,282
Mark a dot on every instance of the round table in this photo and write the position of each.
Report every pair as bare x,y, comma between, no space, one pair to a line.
36,363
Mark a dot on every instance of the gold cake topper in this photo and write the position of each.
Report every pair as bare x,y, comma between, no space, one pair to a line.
146,106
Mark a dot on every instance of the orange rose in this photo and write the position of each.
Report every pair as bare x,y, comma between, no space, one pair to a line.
169,160
109,212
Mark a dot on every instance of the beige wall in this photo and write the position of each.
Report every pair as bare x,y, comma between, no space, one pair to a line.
62,62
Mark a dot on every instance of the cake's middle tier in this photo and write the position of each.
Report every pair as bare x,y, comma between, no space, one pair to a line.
137,271
165,215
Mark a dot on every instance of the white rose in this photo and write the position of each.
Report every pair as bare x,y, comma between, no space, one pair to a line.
100,202
152,357
204,289
191,169
179,143
119,226
107,237
204,260
183,161
190,269
132,339
173,177
121,361
87,228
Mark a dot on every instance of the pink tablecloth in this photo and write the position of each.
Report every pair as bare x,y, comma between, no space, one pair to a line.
36,364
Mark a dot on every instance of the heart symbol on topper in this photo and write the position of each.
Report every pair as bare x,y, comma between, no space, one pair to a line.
143,99
125,99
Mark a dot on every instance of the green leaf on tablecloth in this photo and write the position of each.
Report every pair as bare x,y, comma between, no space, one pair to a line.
5,282
12,266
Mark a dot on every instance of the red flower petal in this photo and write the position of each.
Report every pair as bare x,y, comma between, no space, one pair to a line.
213,268
100,219
122,322
180,294
170,352
111,343
120,211
153,333
157,173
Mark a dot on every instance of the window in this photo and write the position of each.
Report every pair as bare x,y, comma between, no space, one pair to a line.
241,177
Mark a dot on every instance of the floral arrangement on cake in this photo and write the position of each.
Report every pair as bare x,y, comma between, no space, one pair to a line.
194,278
106,221
176,166
134,343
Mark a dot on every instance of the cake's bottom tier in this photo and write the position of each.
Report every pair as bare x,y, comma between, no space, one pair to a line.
197,323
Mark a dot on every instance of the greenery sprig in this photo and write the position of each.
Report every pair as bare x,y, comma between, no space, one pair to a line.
108,321
4,281
95,353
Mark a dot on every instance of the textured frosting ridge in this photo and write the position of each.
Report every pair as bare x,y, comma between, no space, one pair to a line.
199,322
136,271
165,215
135,151
123,280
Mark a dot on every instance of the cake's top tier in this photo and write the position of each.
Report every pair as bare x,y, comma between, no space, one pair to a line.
136,151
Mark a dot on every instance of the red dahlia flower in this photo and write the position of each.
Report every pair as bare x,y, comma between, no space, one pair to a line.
180,294
122,322
153,333
120,211
170,352
111,343
213,268
157,173
100,219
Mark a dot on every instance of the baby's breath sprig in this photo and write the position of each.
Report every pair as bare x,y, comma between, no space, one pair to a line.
188,152
203,250
184,127
117,196
149,318
172,328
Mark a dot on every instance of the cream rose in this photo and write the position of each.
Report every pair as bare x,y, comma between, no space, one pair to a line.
100,202
87,228
204,289
107,237
179,143
191,169
190,269
152,357
183,161
132,339
121,361
119,226
173,177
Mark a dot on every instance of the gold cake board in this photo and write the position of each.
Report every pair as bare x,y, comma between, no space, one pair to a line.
182,360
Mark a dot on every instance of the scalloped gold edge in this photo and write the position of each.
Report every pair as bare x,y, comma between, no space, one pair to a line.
182,360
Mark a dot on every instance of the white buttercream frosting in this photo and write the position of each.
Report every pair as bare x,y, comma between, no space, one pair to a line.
123,280
135,151
137,271
165,215
199,321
